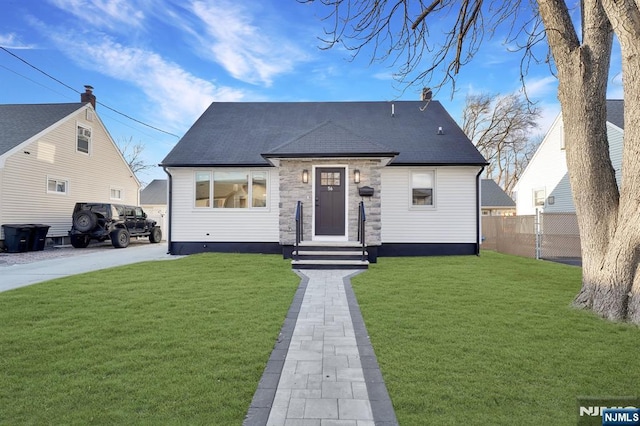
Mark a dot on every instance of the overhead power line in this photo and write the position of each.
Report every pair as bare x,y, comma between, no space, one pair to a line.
75,90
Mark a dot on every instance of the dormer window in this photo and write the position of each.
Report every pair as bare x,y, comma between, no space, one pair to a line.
84,139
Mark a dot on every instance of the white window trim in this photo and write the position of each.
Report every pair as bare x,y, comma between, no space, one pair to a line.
90,147
116,188
544,196
250,173
66,185
434,192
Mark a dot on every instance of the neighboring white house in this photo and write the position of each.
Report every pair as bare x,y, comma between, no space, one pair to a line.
238,175
54,155
153,199
544,184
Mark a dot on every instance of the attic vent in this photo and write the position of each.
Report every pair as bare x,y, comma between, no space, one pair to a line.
89,115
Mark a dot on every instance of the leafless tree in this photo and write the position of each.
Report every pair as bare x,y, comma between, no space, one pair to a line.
501,128
579,55
132,153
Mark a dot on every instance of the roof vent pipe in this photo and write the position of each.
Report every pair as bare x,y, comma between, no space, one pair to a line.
393,110
440,131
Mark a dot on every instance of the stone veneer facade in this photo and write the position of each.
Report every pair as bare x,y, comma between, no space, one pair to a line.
293,190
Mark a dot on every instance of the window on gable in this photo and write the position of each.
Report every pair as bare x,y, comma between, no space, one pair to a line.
538,197
84,139
422,188
57,186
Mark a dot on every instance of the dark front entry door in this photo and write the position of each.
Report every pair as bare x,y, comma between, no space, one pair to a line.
330,201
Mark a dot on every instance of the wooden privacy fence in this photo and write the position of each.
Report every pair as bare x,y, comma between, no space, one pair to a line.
541,236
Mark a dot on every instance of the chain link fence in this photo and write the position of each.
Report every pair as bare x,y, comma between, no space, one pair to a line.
552,236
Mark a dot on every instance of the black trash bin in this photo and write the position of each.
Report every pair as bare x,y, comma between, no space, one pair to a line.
17,237
38,237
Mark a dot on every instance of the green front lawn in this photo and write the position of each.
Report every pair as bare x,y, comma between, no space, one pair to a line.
174,342
491,340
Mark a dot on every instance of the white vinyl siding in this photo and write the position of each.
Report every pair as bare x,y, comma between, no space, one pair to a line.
190,223
451,220
54,154
548,169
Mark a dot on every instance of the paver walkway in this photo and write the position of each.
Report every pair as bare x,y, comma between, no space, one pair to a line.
329,376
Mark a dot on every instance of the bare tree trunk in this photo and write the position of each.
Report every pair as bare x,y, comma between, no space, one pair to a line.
625,18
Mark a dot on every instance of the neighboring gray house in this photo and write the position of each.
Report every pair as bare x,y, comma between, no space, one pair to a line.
237,176
54,155
544,184
153,199
494,201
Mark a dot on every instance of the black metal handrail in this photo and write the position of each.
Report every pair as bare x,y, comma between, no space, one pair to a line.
299,227
362,218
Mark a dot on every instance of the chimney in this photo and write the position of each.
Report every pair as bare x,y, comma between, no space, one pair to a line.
426,94
88,95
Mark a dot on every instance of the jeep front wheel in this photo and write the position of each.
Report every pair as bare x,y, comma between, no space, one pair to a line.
84,221
80,241
120,238
156,235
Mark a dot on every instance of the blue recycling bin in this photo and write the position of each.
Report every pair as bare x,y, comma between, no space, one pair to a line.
38,236
17,237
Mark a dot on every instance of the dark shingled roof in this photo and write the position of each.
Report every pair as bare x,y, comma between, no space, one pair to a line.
246,133
18,123
155,192
493,196
615,112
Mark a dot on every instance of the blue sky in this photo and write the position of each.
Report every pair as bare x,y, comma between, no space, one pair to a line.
164,61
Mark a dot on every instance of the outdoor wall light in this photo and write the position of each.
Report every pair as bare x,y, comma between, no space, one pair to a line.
356,176
305,176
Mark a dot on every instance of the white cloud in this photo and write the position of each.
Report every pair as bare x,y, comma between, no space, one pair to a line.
11,41
178,96
112,14
250,53
541,87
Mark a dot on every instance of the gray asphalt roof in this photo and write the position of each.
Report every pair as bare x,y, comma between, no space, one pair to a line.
244,133
155,192
20,122
615,112
493,196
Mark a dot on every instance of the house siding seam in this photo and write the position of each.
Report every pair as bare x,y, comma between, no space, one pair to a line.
453,218
24,176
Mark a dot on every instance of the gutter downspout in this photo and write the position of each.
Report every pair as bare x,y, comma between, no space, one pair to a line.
169,208
478,211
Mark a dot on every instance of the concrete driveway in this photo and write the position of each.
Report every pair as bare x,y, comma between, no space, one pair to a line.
22,269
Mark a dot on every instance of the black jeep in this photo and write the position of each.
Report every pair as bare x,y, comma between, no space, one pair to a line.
119,222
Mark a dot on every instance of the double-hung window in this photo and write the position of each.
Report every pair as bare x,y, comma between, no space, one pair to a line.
231,189
422,188
83,143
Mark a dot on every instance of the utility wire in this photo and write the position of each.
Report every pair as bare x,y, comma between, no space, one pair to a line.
75,90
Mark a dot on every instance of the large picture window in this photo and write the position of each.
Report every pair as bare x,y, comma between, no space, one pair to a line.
232,189
422,188
84,139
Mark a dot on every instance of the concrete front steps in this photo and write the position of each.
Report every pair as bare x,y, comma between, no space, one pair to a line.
329,255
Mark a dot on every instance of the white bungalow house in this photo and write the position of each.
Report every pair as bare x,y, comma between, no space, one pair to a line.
544,185
54,155
267,177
